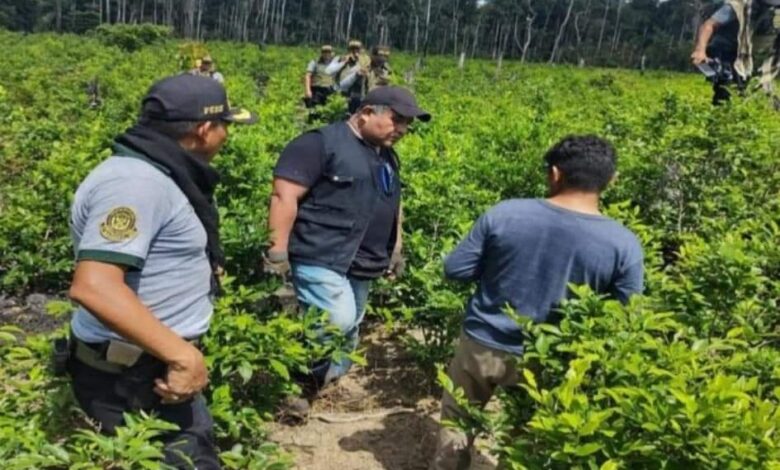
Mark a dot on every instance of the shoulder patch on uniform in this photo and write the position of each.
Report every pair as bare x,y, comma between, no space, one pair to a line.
119,225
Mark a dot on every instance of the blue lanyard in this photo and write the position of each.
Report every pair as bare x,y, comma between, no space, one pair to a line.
387,175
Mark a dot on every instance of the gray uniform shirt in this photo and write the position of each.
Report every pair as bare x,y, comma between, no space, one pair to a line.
130,212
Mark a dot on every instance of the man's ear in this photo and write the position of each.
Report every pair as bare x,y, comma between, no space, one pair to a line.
364,113
203,129
555,174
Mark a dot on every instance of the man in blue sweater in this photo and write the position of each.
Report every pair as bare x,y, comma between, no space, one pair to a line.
523,253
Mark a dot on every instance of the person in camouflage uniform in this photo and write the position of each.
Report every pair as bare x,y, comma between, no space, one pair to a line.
318,83
206,69
350,72
379,72
726,42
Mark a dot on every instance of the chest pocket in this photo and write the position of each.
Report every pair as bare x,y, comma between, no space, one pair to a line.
336,190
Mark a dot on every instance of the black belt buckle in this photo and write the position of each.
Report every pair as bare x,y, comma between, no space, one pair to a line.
60,356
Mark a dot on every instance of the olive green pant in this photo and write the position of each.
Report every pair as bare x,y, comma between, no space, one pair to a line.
478,370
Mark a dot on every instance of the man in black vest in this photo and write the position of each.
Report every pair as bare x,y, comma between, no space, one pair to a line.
335,212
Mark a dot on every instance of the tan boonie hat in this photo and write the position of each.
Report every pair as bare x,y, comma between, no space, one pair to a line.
355,44
206,59
383,51
327,48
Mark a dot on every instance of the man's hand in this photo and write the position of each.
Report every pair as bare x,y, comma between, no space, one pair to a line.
699,57
308,93
276,262
397,265
186,377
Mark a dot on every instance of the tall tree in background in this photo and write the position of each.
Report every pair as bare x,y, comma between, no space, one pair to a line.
597,32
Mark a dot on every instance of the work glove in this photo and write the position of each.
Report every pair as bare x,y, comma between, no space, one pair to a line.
397,265
276,262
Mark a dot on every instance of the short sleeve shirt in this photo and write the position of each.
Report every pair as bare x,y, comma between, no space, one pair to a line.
130,213
724,42
724,15
312,67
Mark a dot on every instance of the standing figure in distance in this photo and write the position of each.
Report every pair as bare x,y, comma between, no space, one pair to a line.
318,83
206,69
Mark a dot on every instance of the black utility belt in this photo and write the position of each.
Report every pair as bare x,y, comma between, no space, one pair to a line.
113,356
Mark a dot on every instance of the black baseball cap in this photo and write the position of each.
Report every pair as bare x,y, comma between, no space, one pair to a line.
398,99
188,97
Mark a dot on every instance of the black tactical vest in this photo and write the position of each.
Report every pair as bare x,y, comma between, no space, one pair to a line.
334,215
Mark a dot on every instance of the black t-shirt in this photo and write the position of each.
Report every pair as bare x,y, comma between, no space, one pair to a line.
304,161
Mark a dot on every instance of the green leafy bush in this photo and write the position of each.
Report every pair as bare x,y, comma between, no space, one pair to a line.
685,377
131,37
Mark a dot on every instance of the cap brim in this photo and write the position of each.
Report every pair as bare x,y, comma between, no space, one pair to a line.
240,116
411,112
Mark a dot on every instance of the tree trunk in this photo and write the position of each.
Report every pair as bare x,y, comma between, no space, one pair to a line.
617,25
337,21
476,36
58,15
427,27
560,31
603,25
416,33
349,18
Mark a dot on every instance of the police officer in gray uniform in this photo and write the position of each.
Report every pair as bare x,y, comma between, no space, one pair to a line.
145,232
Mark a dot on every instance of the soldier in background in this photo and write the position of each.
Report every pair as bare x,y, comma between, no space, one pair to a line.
350,73
727,40
206,69
318,83
379,73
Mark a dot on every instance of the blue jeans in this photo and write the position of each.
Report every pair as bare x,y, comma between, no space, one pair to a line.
343,297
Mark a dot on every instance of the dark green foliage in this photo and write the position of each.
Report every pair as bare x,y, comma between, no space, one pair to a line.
131,37
686,377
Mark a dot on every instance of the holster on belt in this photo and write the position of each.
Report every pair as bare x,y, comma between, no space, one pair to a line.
135,369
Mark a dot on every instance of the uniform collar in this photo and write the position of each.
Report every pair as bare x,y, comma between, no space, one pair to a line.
125,151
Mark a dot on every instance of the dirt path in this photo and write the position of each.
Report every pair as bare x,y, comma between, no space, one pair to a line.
382,416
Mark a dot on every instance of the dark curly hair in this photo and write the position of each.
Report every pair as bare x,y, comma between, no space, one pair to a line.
587,162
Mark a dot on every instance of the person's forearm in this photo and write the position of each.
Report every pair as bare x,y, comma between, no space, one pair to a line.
333,67
460,267
705,34
400,230
281,217
348,81
307,83
118,307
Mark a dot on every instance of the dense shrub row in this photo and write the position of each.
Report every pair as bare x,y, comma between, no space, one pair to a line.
686,377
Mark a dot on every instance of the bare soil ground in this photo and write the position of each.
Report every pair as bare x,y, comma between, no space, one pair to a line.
380,416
